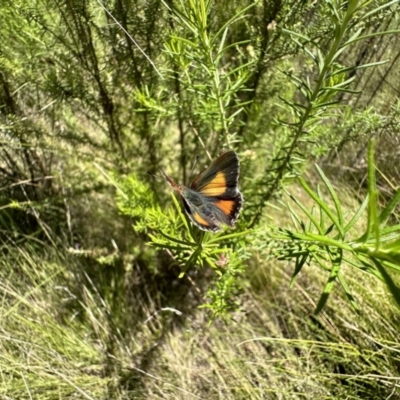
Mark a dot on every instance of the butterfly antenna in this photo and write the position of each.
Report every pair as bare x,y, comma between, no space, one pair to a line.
154,175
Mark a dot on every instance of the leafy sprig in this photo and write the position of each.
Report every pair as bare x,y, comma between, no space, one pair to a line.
326,239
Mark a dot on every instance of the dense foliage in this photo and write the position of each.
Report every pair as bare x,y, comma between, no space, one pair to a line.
94,95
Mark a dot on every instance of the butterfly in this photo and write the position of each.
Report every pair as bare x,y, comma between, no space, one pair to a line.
213,198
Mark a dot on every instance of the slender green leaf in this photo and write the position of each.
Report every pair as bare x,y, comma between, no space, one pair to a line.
309,215
322,204
393,288
294,217
232,20
336,259
334,197
357,215
373,223
348,293
390,207
191,261
299,265
299,35
185,41
304,47
326,105
175,240
354,68
371,35
377,10
321,213
234,235
362,264
393,266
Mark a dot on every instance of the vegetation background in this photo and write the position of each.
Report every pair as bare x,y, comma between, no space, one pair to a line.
107,291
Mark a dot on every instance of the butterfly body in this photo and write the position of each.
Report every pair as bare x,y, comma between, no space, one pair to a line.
213,198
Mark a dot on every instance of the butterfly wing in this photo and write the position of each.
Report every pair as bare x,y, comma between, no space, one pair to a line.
227,210
213,212
200,213
221,199
213,198
220,179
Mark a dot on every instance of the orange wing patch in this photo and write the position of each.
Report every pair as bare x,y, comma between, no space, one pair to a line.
216,187
200,220
226,206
